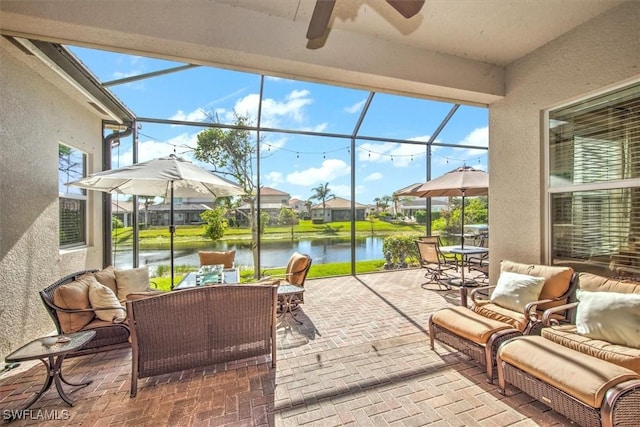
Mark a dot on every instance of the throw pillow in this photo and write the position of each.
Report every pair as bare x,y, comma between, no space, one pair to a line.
74,296
609,316
107,277
101,296
131,281
514,290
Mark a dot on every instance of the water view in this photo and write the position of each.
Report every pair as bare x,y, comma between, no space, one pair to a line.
273,254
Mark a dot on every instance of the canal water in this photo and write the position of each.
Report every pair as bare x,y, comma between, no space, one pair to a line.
273,254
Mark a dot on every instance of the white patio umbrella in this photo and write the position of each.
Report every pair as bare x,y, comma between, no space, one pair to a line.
166,177
460,182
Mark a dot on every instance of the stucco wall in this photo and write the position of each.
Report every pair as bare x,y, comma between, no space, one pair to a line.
35,116
597,55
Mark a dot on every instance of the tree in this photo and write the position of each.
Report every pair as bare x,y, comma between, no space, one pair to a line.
322,193
287,216
216,223
232,154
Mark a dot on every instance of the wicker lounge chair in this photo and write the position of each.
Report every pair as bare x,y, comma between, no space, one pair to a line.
478,331
201,326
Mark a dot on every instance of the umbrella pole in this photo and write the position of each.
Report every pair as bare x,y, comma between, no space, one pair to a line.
462,222
172,230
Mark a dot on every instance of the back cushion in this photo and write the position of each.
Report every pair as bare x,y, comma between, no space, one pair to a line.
75,296
595,283
557,279
213,257
295,269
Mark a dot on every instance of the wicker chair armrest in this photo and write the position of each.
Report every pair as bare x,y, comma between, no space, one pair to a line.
547,320
475,293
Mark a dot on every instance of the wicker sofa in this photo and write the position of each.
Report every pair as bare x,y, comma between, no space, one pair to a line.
68,303
478,331
587,369
201,326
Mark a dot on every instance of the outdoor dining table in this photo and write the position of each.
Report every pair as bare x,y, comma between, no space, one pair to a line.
465,252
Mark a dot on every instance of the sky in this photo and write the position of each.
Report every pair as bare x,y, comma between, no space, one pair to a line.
294,163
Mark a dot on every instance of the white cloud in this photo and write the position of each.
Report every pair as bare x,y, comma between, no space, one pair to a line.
330,170
355,108
274,178
376,176
197,115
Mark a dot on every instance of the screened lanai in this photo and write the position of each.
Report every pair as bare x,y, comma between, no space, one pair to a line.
360,145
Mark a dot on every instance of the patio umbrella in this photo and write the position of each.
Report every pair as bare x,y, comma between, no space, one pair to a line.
165,176
460,182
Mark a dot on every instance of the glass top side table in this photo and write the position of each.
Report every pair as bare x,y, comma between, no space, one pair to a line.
52,356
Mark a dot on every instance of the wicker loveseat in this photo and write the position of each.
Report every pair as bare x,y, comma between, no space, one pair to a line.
69,304
201,326
589,369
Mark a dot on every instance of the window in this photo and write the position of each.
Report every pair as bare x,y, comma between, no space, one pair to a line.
594,184
73,201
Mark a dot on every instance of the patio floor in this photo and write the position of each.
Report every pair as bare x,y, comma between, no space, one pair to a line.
361,357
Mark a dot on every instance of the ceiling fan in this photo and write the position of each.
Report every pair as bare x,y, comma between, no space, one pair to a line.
323,9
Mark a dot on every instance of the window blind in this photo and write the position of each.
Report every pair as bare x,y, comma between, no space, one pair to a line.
594,171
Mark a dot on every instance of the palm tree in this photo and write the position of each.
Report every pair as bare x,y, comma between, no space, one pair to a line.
322,193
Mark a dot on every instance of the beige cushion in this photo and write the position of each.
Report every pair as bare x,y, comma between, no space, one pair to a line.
296,268
101,296
107,277
592,282
584,377
467,324
75,296
557,279
515,290
609,316
568,336
217,257
501,314
131,281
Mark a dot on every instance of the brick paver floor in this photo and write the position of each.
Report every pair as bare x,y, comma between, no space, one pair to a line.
360,357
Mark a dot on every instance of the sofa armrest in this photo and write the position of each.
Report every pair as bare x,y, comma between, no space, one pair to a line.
475,293
547,320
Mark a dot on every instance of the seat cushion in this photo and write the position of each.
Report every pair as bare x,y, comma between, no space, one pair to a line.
217,257
557,279
468,324
74,296
582,376
513,318
568,336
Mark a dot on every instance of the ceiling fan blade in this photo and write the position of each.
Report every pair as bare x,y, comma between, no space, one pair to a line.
320,18
407,8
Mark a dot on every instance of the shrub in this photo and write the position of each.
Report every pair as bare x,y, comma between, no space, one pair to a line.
398,245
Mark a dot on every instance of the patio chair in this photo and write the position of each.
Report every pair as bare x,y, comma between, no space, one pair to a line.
447,257
295,274
480,263
434,262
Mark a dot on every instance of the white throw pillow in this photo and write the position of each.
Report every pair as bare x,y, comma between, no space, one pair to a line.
514,290
131,281
101,296
609,316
